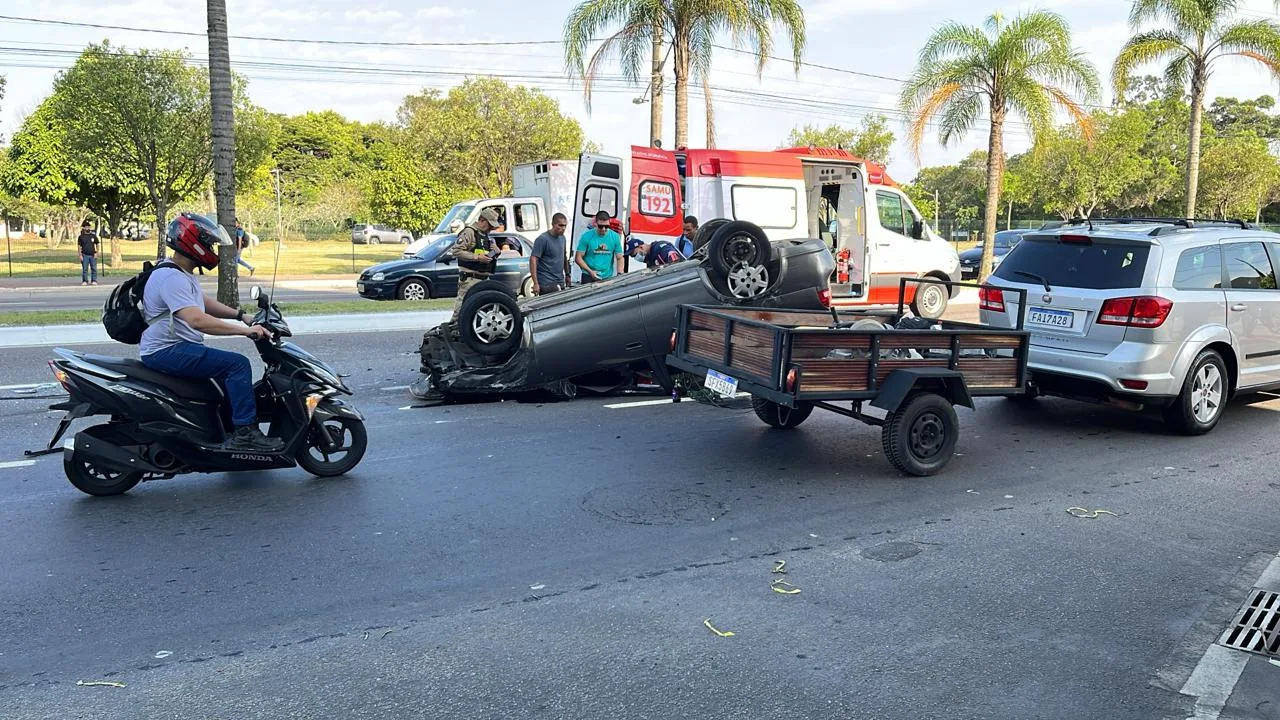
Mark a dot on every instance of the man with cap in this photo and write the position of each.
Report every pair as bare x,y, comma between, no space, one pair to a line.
653,254
474,252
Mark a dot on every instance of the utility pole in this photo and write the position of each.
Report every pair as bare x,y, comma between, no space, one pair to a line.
275,173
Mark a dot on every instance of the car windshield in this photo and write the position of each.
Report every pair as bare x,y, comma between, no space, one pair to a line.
1102,264
457,212
432,251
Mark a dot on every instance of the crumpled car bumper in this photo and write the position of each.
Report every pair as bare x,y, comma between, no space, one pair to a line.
455,371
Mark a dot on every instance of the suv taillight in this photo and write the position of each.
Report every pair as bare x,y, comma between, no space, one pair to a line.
990,298
1143,311
824,297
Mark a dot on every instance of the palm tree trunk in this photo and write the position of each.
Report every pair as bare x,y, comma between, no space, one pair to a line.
1193,140
224,147
656,90
681,52
995,175
711,111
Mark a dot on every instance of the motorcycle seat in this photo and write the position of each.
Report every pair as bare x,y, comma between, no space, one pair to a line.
206,390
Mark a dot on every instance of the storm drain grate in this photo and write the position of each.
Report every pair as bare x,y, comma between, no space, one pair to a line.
1256,627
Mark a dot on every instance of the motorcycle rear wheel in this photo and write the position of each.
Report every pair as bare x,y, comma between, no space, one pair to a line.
99,482
351,438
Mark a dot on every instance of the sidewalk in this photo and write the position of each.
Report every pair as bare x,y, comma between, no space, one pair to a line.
92,333
63,284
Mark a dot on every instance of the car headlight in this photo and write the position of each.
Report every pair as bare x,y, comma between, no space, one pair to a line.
378,276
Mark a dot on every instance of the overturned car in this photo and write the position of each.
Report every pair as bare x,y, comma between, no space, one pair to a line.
602,335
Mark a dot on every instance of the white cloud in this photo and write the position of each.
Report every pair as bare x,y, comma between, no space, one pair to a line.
441,12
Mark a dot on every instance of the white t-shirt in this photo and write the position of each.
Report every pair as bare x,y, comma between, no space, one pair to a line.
169,289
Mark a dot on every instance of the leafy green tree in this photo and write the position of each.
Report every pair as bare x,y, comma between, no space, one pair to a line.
149,115
1240,177
475,135
1024,67
872,141
1199,34
957,187
407,195
690,27
1232,117
1074,175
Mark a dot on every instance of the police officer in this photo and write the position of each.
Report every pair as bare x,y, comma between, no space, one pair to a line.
474,252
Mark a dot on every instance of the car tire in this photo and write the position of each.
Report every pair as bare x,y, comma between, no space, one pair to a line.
738,243
709,228
405,240
780,416
1204,394
526,287
374,240
414,290
490,321
930,301
919,438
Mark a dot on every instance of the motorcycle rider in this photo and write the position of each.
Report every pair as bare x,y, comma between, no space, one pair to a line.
179,314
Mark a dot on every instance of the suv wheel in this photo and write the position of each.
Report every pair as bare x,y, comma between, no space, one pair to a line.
1203,398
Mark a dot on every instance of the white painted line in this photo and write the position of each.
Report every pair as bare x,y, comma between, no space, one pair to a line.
665,401
16,464
395,388
1213,680
27,386
1270,578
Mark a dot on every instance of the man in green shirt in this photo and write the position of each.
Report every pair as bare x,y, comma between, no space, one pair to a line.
599,251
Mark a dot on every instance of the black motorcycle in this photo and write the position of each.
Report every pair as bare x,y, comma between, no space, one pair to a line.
162,426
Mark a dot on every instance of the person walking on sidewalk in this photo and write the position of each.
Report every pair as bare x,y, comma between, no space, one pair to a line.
242,242
474,252
87,248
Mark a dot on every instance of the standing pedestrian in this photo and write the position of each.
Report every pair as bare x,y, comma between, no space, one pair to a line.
685,243
242,242
87,249
474,251
599,251
549,261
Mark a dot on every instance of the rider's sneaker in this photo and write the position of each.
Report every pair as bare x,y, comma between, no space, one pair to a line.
251,438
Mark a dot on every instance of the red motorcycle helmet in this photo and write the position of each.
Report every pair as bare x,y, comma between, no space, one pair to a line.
197,237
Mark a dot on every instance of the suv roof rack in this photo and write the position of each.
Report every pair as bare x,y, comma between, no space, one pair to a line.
1177,222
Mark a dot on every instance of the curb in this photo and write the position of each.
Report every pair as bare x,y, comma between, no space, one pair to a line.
94,333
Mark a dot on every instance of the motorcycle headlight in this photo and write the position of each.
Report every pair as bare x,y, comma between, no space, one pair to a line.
378,276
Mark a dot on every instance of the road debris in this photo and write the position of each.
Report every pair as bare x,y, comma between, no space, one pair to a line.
781,586
163,654
537,587
99,683
1079,512
1275,662
712,628
780,566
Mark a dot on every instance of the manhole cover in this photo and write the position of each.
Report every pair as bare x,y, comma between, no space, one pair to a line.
641,504
1256,627
891,551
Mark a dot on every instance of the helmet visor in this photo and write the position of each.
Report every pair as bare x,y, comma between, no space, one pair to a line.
222,236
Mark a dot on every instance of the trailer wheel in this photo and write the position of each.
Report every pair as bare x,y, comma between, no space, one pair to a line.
780,416
920,437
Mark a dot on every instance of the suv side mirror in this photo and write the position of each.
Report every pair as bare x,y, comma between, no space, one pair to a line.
917,229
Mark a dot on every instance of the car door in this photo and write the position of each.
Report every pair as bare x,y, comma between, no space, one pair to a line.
513,265
1253,304
890,247
599,188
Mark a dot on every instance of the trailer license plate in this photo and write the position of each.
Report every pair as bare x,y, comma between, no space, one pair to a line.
1051,318
721,384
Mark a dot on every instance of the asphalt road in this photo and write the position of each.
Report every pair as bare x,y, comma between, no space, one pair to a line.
77,297
520,560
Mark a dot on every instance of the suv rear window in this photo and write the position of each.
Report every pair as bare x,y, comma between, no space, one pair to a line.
1103,265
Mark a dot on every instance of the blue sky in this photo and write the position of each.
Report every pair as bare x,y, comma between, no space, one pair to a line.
878,37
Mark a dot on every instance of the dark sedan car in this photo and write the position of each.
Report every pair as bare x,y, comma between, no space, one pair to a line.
600,334
431,275
1005,240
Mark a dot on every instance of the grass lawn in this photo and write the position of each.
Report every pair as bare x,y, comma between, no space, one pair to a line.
339,307
31,257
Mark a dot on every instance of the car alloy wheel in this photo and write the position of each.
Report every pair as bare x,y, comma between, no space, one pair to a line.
1206,393
414,291
748,281
492,323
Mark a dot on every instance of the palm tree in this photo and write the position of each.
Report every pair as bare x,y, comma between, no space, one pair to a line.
689,26
224,146
1202,32
1026,67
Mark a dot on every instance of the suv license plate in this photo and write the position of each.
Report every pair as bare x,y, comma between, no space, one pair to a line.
721,384
1051,318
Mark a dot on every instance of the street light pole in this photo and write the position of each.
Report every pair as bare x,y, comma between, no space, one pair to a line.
275,173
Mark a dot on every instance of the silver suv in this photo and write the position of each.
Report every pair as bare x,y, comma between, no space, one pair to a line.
1174,314
375,234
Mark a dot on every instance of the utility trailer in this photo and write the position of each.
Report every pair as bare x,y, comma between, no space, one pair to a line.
793,361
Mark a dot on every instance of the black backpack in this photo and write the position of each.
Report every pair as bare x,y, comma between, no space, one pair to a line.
122,313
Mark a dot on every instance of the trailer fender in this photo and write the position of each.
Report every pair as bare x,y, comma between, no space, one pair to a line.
902,383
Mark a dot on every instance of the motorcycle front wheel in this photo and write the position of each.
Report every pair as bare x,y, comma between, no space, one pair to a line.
93,480
350,438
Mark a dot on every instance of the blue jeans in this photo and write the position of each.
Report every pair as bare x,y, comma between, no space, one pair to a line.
197,362
88,264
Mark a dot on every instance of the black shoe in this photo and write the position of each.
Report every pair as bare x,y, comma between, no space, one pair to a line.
250,438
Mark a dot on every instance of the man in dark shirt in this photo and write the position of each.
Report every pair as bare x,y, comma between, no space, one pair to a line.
685,242
474,252
87,248
549,262
654,254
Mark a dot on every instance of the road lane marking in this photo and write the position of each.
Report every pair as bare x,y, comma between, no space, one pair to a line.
16,464
394,388
664,401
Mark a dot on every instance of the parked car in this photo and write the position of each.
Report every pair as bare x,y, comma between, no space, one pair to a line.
599,334
375,234
431,275
1005,240
1170,314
